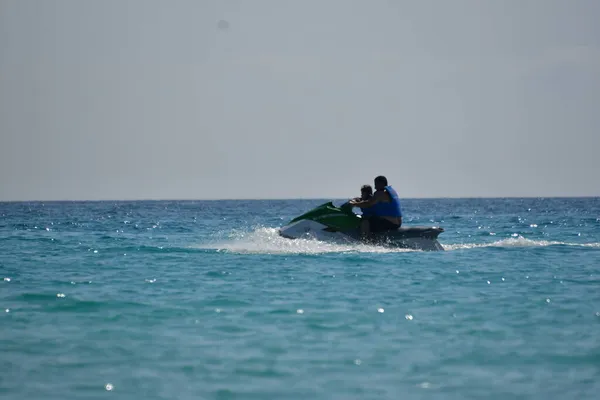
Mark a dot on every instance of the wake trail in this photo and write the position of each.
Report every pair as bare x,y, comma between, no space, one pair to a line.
264,240
267,241
518,241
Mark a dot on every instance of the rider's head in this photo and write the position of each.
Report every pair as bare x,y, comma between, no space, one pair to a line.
380,182
366,191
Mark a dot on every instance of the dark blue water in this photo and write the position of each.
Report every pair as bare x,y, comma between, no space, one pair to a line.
203,300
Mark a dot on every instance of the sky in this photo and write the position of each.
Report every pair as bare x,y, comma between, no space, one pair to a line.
149,99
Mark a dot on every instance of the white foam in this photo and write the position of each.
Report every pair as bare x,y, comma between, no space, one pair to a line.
263,240
267,241
518,241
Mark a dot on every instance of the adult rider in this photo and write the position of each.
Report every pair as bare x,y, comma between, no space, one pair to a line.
384,210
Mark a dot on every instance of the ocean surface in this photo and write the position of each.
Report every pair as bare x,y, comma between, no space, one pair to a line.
203,300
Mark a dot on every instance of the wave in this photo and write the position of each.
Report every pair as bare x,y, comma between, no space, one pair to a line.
65,302
518,241
264,240
267,241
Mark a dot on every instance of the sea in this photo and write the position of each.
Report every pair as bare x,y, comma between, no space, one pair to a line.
204,300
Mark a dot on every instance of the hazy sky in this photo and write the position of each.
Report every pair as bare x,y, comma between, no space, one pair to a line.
148,99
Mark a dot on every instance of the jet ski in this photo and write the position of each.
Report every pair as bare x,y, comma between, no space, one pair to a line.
328,222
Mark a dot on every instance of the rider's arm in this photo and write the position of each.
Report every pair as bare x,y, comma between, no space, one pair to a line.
368,203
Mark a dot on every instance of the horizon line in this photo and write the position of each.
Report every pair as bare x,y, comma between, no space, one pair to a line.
296,198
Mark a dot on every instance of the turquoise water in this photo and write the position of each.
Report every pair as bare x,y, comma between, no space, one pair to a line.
202,300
